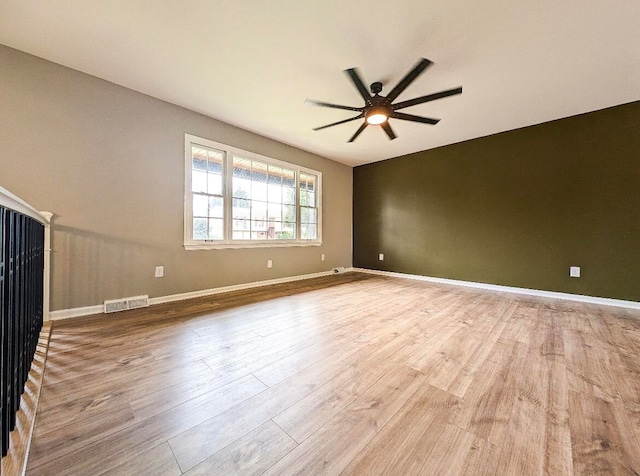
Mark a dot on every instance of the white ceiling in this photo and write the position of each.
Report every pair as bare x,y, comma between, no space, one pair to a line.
252,63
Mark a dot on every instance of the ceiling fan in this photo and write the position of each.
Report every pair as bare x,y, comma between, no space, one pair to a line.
377,110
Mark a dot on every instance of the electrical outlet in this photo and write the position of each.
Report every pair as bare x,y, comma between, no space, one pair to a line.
322,257
269,263
574,271
381,256
159,271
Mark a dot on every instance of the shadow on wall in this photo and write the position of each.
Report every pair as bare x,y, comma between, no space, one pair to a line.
89,267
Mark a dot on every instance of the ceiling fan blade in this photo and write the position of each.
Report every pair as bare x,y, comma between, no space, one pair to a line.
339,122
362,127
411,76
427,98
335,106
411,117
362,89
388,130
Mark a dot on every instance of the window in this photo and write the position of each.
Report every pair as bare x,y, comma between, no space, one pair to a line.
234,199
207,196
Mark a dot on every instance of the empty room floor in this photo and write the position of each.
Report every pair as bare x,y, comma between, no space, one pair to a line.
345,374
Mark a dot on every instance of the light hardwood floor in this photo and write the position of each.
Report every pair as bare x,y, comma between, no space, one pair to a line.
347,374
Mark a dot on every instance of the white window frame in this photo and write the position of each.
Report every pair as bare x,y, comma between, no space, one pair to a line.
228,242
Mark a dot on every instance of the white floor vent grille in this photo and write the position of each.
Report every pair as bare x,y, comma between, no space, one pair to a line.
124,304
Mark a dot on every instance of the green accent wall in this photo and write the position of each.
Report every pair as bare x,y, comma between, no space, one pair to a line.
517,208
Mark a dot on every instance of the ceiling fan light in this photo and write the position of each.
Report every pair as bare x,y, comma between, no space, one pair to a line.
377,115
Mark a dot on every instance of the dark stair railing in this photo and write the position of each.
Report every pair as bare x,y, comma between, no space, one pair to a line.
22,254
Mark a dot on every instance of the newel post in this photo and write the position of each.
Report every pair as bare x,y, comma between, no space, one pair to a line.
47,265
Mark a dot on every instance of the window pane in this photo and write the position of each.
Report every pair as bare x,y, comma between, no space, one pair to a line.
260,186
258,172
274,193
241,168
215,162
308,186
259,225
304,198
241,225
311,182
275,212
308,232
259,181
199,163
288,178
241,181
308,215
200,231
216,229
276,225
241,188
205,159
199,181
275,175
289,195
258,210
214,184
216,207
241,208
289,213
200,207
308,181
259,191
288,231
241,235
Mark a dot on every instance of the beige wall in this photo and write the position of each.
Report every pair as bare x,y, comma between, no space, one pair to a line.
108,162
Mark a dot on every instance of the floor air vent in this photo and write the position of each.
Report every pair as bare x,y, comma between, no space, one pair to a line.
125,304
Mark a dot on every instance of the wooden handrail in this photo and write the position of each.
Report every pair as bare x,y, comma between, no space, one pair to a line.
13,202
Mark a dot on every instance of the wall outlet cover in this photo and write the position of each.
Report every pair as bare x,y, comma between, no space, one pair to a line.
159,271
574,271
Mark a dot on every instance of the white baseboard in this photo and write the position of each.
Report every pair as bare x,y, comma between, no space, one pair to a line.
509,289
75,312
235,287
99,308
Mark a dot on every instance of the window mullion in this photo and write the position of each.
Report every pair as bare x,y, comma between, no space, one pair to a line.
228,197
297,204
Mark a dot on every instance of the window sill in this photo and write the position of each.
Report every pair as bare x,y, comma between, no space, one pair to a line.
222,246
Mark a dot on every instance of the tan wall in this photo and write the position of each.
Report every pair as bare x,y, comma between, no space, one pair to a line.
109,163
517,208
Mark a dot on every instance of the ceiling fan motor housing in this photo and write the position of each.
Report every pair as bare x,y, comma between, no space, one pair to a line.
376,88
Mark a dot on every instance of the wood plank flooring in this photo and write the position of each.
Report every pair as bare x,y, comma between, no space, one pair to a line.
348,374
